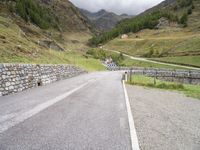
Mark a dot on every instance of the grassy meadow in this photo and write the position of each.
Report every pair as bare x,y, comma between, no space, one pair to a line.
183,60
174,45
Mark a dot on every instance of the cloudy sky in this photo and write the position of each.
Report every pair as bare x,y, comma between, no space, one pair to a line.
131,7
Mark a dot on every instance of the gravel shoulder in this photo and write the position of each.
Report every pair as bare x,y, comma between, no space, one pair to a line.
165,120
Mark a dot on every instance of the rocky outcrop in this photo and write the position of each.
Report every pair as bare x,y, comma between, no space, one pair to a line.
164,22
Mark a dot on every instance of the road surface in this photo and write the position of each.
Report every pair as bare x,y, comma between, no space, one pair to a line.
165,120
87,112
155,62
90,112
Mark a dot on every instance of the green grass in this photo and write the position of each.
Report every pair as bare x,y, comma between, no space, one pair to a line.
136,63
18,48
86,63
126,61
185,60
53,57
164,41
175,44
188,90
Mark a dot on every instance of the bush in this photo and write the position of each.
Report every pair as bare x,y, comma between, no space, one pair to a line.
184,19
102,55
97,54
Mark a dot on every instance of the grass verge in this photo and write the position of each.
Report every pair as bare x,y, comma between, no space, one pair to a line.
188,90
182,60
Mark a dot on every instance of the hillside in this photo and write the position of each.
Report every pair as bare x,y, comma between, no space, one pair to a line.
47,32
176,13
104,20
167,4
69,17
169,32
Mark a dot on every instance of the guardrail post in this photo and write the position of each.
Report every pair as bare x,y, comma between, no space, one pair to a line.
126,77
130,78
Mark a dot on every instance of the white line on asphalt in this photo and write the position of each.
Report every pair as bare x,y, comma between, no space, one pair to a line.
134,139
20,118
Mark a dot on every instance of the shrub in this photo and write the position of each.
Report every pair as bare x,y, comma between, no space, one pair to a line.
184,19
102,55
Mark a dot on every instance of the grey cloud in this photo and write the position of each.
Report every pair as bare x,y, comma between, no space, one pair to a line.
118,6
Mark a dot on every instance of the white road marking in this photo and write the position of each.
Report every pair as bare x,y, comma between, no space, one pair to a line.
6,124
134,139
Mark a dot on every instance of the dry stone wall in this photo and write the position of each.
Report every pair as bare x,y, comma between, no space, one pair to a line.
182,76
19,77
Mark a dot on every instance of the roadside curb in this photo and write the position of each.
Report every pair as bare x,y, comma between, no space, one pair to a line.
134,139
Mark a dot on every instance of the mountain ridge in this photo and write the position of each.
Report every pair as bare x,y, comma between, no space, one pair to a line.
102,19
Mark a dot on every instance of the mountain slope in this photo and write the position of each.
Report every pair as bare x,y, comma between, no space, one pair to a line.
69,17
163,5
104,20
41,41
178,13
172,41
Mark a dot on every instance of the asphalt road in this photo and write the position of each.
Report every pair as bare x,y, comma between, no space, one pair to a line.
87,112
165,120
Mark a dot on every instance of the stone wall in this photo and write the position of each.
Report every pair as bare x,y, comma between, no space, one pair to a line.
182,76
19,77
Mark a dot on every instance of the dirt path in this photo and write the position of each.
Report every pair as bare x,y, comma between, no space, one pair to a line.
165,120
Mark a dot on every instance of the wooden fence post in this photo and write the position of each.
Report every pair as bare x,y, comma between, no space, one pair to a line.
155,76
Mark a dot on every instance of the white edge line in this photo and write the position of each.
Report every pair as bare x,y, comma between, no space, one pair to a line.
134,139
37,109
